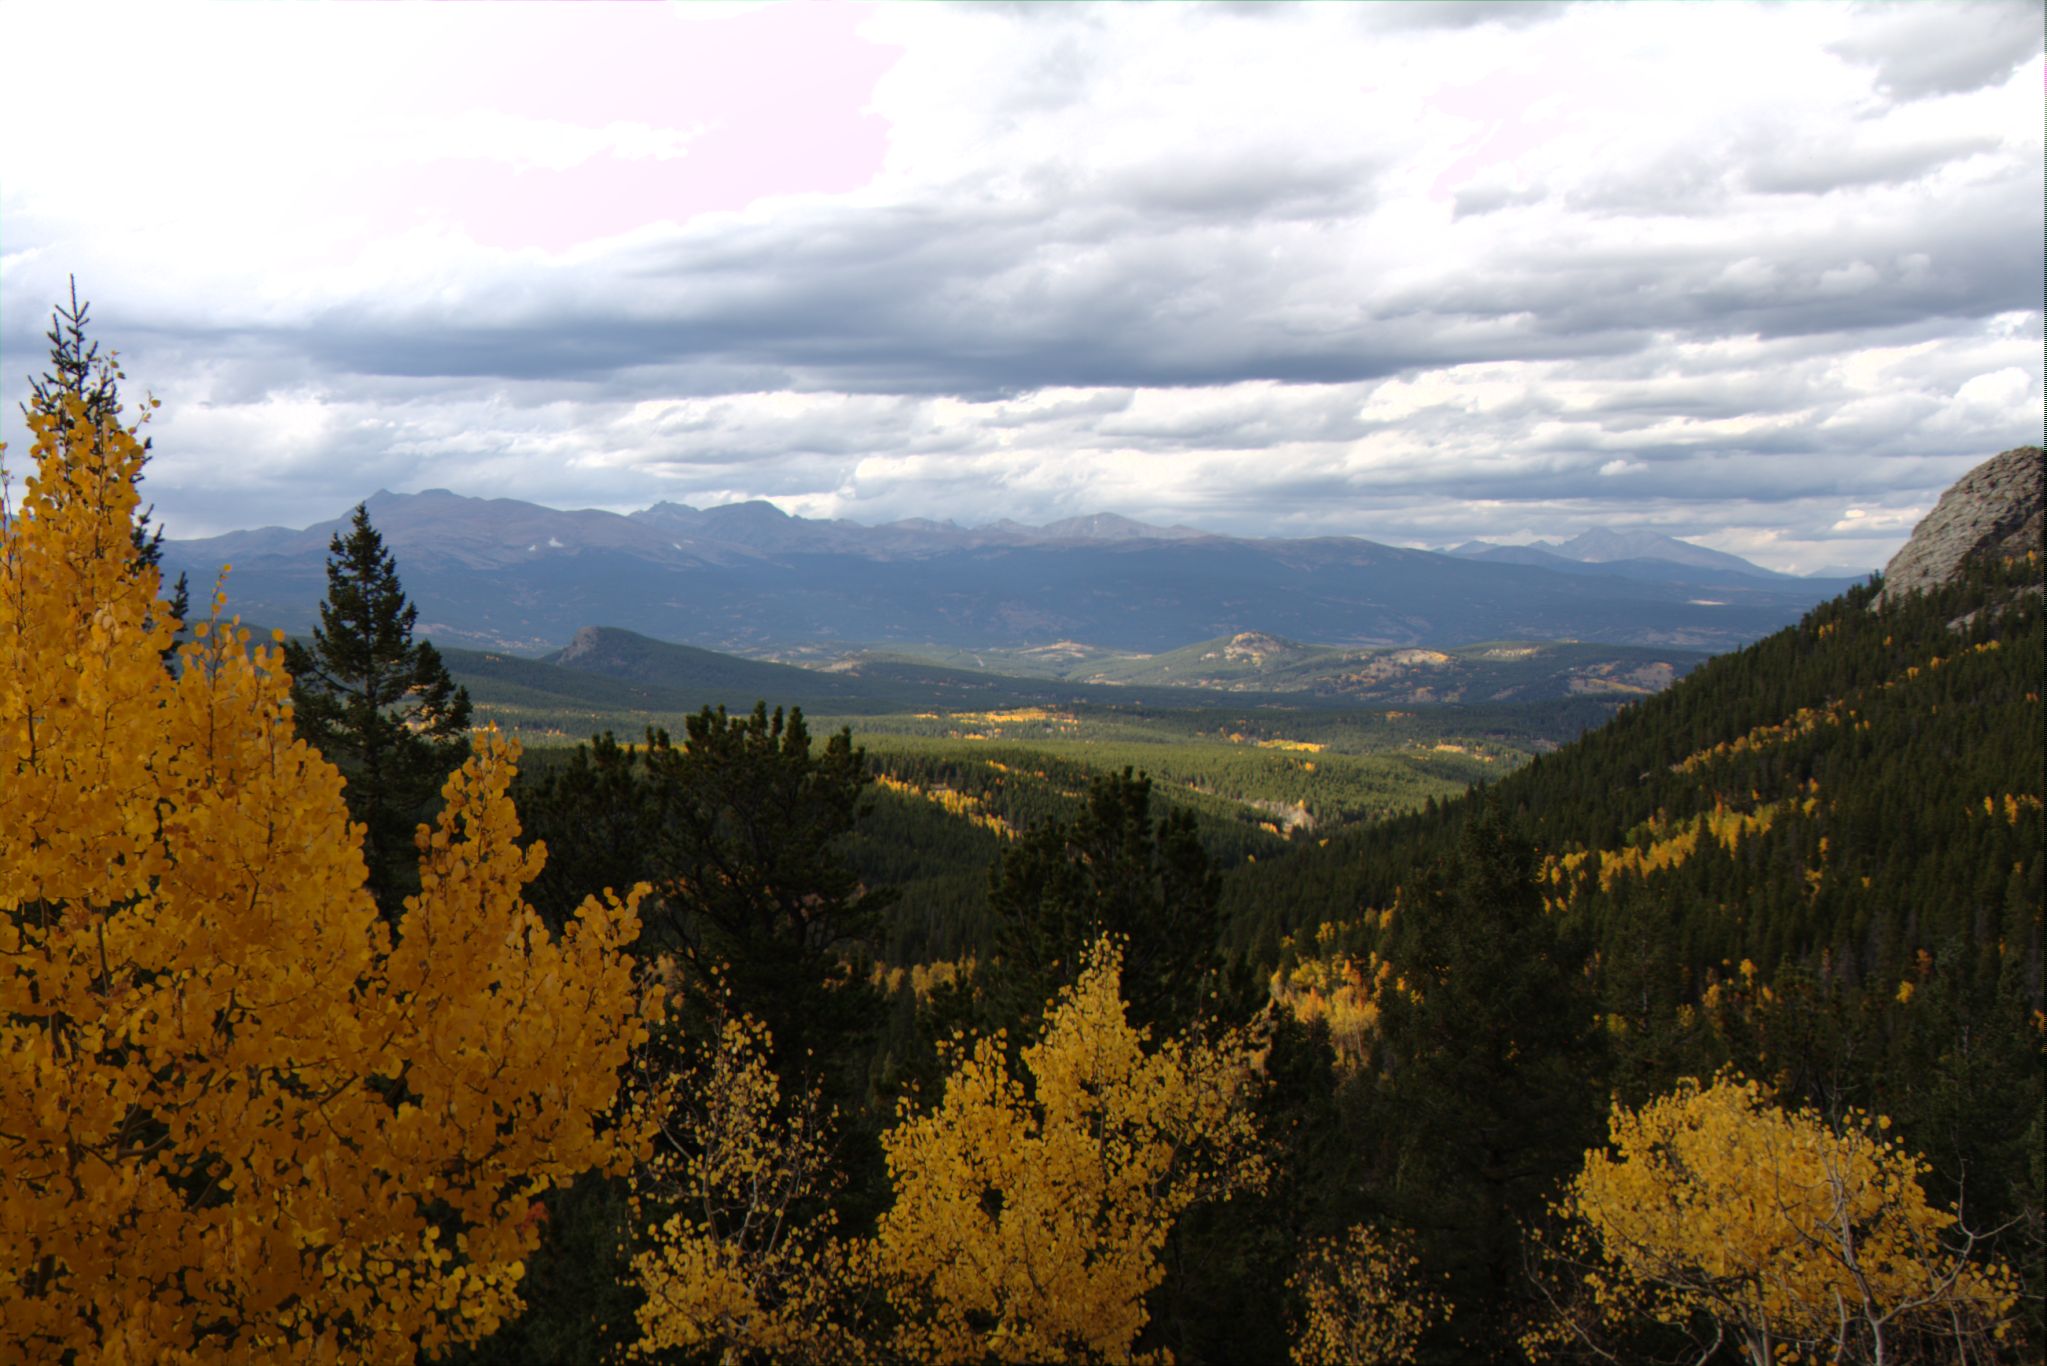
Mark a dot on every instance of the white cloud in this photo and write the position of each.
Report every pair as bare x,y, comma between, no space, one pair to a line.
1920,50
1419,273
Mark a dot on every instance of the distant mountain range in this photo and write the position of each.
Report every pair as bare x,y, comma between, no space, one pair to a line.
498,574
1636,554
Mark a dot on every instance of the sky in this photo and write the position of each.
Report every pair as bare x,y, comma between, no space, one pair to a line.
1767,277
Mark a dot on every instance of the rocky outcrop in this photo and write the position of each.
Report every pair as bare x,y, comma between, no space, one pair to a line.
1994,509
587,651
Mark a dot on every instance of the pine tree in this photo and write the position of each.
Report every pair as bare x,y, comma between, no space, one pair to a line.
1111,870
741,829
77,370
1488,1048
378,704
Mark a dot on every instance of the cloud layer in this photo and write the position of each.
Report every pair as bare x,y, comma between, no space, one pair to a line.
1769,277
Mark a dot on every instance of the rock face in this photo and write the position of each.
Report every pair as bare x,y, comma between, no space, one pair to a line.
587,645
1994,509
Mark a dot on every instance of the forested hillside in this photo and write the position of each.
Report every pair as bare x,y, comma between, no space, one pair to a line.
1813,782
1817,860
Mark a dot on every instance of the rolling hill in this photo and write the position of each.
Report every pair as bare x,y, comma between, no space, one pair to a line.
607,671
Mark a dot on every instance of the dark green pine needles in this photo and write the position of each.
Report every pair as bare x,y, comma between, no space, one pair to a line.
379,704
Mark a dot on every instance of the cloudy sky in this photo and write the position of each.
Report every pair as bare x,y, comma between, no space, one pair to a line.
1767,277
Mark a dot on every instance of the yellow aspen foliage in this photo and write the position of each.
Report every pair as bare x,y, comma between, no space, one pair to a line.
1361,1301
924,980
965,805
236,1122
1028,1221
1344,992
1800,723
1784,1235
737,1252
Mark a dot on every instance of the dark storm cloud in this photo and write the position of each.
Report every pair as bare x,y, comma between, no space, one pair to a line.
1195,270
1970,256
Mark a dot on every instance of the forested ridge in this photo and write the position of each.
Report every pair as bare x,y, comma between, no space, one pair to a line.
1715,1035
1861,745
1816,860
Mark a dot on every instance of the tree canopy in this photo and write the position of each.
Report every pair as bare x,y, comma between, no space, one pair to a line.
739,832
1718,1213
236,1120
1116,869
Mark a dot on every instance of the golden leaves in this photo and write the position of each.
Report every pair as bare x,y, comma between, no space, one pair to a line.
230,1100
1361,1301
743,1258
1717,1205
1027,1225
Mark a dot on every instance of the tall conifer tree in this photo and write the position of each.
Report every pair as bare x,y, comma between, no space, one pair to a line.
1488,1078
1113,869
378,704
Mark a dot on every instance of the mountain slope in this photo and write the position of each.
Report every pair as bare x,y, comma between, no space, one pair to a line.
607,671
1851,754
1602,545
1650,555
1859,745
626,657
1817,860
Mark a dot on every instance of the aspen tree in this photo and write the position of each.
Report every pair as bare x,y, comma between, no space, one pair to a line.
1776,1232
1028,1214
1028,1221
1362,1300
236,1123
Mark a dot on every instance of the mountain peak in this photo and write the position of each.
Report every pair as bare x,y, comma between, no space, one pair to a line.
1258,647
1602,545
749,576
1606,545
753,510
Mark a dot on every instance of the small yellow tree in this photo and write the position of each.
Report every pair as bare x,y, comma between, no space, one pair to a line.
1027,1223
236,1123
1719,1213
1361,1301
738,1253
